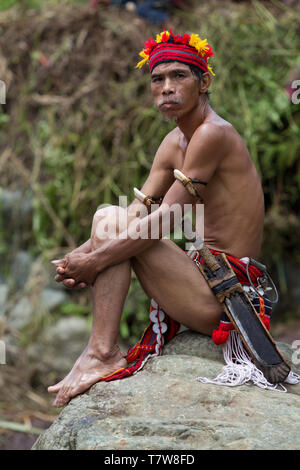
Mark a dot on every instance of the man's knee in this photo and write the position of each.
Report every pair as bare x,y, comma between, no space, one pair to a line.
108,222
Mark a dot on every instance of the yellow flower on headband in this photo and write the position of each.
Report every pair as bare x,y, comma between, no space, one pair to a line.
211,70
164,36
158,38
142,62
199,44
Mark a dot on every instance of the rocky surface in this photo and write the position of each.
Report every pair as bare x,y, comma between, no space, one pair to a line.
165,407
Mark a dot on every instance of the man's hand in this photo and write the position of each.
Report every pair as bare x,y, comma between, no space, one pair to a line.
76,270
69,283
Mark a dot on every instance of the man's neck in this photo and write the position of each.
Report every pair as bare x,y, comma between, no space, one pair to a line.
189,123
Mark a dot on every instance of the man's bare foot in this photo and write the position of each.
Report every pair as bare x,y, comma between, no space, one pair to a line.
89,368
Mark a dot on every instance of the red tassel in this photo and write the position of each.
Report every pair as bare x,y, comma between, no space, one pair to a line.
220,336
266,321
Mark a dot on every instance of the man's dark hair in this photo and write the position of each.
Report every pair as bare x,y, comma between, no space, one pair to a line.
198,74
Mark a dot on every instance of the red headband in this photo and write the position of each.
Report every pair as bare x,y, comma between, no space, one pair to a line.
165,52
188,49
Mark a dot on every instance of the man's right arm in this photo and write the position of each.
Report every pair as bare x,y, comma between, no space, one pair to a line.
161,176
158,183
160,179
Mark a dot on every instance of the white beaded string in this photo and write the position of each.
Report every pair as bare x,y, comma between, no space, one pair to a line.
240,370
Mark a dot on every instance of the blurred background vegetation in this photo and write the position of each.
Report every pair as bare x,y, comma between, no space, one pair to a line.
78,128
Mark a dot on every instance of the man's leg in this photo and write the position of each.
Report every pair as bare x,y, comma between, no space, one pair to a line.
168,276
102,356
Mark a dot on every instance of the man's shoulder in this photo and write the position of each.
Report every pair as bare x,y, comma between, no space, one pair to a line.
172,138
214,130
167,150
169,145
217,136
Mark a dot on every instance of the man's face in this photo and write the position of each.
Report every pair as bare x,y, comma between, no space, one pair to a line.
175,89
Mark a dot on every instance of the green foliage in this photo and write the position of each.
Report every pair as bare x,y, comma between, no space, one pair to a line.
33,4
70,308
6,4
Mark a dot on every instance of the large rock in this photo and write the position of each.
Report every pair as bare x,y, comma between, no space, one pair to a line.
30,308
21,315
165,407
20,269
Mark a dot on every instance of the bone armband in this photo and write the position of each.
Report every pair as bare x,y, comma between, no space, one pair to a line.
147,200
188,183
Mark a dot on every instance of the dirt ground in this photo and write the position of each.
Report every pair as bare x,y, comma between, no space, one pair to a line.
22,402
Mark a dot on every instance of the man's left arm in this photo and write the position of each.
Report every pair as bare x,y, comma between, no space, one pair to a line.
205,152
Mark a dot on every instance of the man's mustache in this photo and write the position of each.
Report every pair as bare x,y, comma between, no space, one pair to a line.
169,101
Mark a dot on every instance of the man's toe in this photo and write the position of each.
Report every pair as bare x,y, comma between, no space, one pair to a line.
55,388
57,403
61,400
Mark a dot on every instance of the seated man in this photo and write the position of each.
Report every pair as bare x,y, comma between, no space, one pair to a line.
203,146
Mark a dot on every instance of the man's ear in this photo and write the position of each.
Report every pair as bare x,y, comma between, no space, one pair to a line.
204,83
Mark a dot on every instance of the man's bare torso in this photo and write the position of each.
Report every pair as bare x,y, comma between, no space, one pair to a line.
233,198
